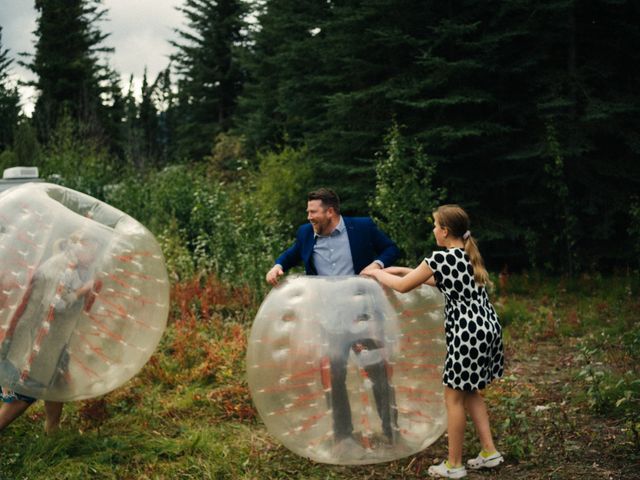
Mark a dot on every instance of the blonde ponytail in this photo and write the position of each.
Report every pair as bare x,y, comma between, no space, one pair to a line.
480,273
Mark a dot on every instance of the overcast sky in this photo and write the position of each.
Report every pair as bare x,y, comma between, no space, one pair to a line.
140,33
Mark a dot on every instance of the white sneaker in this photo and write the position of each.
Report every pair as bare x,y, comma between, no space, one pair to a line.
491,461
445,471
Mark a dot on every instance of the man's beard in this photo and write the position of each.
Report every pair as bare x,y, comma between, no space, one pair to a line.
320,228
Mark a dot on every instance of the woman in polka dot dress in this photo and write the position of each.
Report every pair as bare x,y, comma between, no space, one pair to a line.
473,334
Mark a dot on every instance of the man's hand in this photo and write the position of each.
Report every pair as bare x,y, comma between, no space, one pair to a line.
371,267
372,273
274,275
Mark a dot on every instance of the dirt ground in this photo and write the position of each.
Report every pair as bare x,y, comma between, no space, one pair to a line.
565,439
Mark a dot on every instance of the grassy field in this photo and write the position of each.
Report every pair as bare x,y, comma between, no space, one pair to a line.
568,406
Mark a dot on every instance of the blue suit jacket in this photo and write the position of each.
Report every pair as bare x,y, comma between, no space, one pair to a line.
367,242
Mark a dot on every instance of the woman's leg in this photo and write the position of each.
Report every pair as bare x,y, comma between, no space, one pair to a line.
474,402
456,419
10,411
53,412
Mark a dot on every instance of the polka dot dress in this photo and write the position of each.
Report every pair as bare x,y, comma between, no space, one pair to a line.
474,336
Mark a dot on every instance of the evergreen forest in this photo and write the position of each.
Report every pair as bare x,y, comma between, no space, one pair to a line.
524,112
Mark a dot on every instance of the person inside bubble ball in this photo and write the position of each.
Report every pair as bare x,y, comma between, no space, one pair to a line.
473,333
65,282
334,245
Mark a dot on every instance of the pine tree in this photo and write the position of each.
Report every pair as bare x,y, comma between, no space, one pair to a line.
282,99
596,111
144,122
132,134
324,74
530,115
465,104
164,99
9,100
369,54
210,78
70,77
148,121
113,114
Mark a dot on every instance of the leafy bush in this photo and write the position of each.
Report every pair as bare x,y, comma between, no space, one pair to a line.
405,196
513,312
26,149
204,225
233,238
176,251
610,371
282,184
77,163
611,377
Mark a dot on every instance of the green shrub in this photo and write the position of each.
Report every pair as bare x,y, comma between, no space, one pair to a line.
178,257
76,163
611,377
405,195
204,225
631,344
511,311
234,238
514,430
282,184
612,393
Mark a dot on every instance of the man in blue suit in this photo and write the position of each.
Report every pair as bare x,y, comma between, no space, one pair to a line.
331,244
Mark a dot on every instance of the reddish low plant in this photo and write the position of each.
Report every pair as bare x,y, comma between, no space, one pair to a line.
206,337
234,402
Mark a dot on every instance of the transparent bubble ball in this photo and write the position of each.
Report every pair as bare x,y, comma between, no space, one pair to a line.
345,372
84,294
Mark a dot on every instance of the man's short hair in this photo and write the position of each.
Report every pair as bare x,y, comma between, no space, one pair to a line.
328,197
